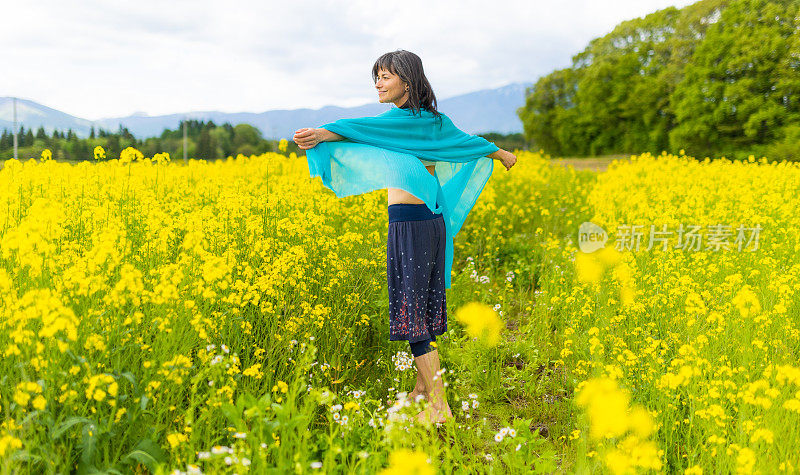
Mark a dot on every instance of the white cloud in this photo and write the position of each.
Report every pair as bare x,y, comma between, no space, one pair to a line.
98,59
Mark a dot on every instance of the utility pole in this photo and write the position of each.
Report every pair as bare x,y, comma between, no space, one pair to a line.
15,128
185,143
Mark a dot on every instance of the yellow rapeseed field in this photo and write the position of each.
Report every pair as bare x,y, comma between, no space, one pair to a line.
231,316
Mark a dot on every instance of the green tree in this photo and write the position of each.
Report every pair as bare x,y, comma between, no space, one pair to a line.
6,140
545,113
205,145
616,96
730,102
112,146
245,134
223,139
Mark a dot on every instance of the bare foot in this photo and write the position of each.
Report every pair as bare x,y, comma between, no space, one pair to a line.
432,414
412,396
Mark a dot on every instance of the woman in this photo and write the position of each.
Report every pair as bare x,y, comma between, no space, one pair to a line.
424,213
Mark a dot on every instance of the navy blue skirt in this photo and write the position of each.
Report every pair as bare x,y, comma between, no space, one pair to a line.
415,273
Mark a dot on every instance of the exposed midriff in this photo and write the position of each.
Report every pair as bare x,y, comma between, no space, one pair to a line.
399,195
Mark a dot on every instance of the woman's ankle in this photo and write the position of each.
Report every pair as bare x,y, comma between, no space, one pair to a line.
437,400
421,392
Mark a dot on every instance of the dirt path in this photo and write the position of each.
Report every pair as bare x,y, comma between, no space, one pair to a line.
598,164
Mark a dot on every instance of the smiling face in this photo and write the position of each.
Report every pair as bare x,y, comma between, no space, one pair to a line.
390,88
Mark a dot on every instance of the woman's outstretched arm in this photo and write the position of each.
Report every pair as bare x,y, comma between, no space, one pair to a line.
507,158
328,136
306,138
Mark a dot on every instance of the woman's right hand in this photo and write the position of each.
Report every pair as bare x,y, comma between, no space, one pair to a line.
508,159
307,138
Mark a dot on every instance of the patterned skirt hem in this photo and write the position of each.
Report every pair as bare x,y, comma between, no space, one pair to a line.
415,339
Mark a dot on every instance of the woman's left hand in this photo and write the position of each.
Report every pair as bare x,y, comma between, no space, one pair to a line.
307,138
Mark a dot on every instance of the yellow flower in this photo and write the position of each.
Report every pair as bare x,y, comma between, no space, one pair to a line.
591,267
99,153
609,256
619,462
695,470
130,154
282,145
407,462
607,407
176,438
480,321
21,397
8,444
253,371
39,402
695,304
588,267
745,461
161,158
747,302
641,422
47,155
762,434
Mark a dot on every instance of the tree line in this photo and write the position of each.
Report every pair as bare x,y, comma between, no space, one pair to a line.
715,78
206,140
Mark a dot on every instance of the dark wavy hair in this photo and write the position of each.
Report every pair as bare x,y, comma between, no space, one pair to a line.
408,66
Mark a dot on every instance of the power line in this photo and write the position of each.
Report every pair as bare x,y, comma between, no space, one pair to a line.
185,142
15,128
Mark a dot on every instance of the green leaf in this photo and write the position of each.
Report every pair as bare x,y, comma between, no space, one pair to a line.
130,377
231,412
89,442
146,452
66,425
25,456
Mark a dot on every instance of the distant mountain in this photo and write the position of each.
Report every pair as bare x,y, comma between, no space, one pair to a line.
487,110
33,115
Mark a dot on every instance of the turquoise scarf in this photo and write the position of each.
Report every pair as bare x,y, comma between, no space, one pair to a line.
384,152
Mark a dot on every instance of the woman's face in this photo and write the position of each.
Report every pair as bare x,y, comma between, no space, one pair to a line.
390,88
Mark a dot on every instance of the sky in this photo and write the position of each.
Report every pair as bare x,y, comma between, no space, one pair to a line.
99,59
